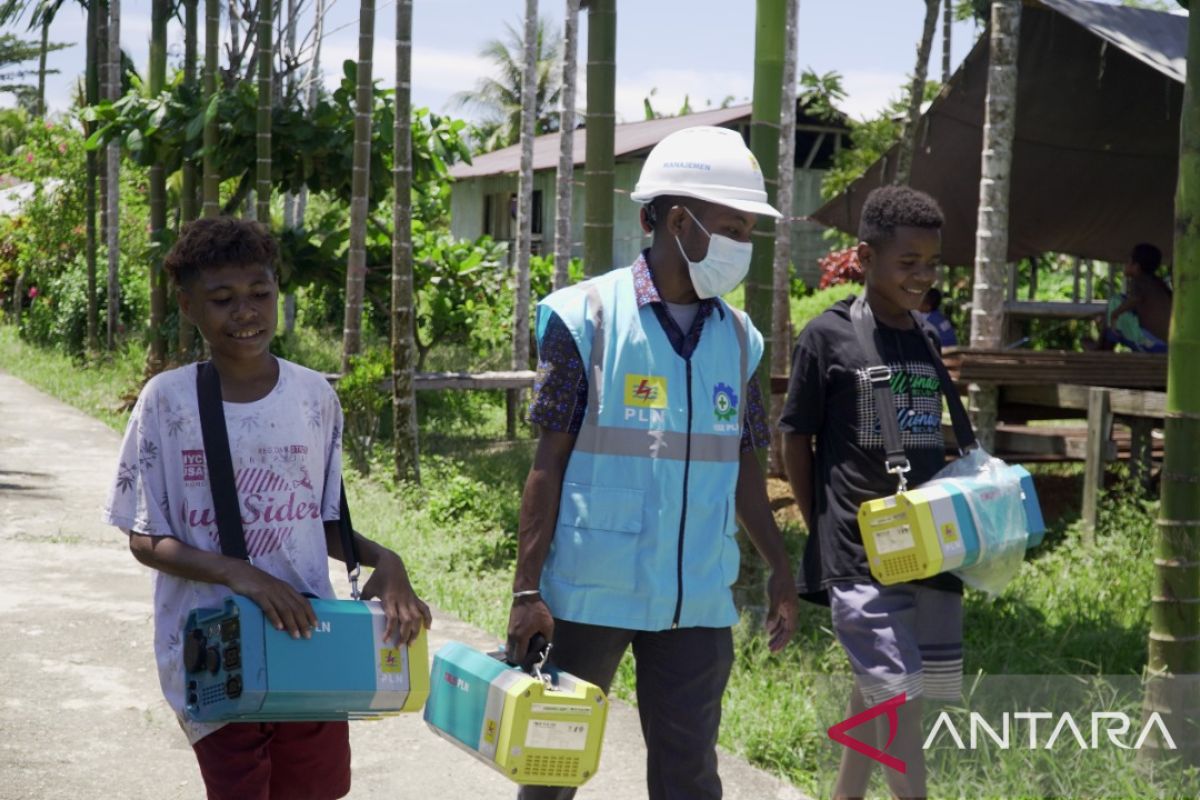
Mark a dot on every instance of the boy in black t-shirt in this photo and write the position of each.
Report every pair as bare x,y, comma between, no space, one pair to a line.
905,638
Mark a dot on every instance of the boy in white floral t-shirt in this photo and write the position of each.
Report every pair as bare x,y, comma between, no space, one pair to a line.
284,425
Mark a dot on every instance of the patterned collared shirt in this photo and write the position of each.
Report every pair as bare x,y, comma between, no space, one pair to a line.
560,391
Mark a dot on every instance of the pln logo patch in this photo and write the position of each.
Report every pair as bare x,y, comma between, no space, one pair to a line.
646,391
391,660
725,403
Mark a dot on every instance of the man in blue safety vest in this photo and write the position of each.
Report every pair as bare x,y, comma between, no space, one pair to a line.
650,413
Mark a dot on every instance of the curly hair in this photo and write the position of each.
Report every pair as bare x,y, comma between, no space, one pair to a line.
219,242
891,207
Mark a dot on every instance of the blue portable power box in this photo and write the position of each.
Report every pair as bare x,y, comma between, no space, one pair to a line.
238,667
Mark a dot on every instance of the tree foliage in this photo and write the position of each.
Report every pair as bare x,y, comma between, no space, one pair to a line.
15,51
499,96
313,149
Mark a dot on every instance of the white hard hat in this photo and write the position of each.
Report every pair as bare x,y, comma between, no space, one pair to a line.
706,163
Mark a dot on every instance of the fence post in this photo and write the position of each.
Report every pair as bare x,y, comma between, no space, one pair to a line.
1099,426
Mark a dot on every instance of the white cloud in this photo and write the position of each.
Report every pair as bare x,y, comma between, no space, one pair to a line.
437,73
868,92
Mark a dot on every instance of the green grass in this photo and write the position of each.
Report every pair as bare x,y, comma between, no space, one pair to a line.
1070,611
99,388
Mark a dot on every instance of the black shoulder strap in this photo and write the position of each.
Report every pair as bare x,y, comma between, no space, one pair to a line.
221,476
964,433
880,376
219,462
349,547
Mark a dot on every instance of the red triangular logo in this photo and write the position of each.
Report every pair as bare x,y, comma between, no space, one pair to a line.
839,735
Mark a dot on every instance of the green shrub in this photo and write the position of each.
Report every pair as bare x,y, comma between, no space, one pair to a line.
808,308
364,404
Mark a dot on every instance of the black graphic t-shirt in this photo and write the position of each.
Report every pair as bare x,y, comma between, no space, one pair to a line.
829,397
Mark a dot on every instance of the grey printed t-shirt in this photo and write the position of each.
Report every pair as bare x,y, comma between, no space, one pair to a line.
286,451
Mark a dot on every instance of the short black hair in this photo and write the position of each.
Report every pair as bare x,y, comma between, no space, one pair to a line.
891,207
216,242
934,296
657,209
1146,256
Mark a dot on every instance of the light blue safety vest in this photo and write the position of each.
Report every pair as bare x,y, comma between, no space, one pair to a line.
646,524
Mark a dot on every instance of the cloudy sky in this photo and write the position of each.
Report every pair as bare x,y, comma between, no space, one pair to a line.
700,48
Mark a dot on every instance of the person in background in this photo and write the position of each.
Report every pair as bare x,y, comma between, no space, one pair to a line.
1142,319
931,311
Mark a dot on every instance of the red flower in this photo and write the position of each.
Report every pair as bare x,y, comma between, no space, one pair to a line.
840,266
33,292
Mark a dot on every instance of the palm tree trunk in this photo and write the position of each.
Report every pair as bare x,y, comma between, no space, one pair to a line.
601,117
780,307
92,96
991,242
189,208
101,68
312,79
1174,658
566,150
289,46
41,95
156,355
406,439
356,268
770,26
947,24
266,62
212,35
916,95
520,351
113,232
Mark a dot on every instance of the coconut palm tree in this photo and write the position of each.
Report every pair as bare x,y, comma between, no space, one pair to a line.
156,355
113,173
916,94
601,120
947,24
212,36
499,96
266,62
520,351
780,307
406,441
189,208
991,243
356,268
564,186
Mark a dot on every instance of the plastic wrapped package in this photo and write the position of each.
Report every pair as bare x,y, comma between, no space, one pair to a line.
992,490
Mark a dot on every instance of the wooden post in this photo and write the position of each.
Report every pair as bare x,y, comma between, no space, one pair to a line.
1099,420
1141,450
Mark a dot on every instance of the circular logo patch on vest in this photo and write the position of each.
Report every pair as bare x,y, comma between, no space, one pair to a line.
725,402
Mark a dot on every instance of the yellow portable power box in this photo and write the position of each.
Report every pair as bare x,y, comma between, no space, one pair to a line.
931,529
538,731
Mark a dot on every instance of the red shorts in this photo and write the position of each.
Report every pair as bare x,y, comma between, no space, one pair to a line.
276,761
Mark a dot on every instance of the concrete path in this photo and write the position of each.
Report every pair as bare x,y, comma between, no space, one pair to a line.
81,714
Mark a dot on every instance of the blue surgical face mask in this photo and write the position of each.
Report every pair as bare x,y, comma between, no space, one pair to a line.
723,268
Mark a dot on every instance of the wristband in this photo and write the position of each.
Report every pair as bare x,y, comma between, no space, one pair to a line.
525,593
